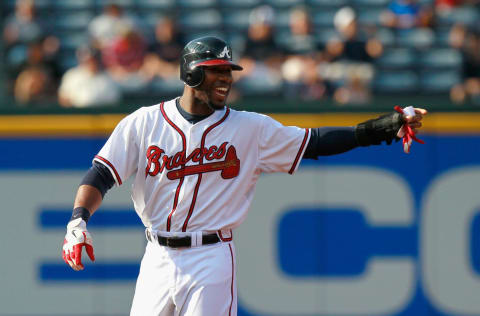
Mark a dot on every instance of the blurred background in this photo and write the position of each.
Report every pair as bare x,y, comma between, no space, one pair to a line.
324,53
370,232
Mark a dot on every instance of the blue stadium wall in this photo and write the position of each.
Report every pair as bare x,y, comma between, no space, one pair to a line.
370,232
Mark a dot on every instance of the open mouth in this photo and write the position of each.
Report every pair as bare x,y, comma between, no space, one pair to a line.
221,91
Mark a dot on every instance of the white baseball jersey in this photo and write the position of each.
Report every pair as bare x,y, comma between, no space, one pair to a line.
198,177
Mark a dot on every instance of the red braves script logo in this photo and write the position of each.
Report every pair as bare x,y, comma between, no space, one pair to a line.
158,161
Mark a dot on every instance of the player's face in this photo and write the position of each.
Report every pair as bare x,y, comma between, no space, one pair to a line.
216,85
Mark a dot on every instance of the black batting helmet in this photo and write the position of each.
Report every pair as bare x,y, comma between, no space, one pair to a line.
204,51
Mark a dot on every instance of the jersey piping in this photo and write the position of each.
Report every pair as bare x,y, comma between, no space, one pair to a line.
233,275
199,179
300,151
184,143
110,167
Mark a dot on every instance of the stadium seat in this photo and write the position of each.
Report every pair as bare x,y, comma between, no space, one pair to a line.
201,20
234,4
370,3
74,5
323,35
442,37
283,3
236,20
439,81
385,36
150,18
369,16
465,15
72,20
72,39
441,58
165,88
282,18
398,58
426,2
196,4
9,4
39,4
417,38
67,59
395,82
324,18
319,4
251,86
16,56
126,4
155,4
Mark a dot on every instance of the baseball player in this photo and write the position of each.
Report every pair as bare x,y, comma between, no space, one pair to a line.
195,163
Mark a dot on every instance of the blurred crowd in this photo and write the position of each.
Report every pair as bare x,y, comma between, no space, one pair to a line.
361,55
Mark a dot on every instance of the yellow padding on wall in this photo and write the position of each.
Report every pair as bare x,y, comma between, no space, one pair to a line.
103,124
68,125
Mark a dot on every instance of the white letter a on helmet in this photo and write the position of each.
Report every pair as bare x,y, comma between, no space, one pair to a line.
225,52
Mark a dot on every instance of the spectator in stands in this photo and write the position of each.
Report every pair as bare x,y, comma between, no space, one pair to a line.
37,62
87,84
302,80
445,6
301,38
468,42
262,56
27,41
107,27
351,43
351,54
34,86
23,26
299,70
407,14
260,44
354,92
124,58
161,60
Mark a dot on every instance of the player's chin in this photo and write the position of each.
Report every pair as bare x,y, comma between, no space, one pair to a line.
218,101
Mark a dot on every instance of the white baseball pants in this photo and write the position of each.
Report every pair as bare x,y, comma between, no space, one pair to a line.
198,281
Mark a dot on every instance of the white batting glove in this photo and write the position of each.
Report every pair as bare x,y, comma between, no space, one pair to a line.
77,236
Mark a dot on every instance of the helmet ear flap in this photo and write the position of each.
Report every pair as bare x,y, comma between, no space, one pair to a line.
195,77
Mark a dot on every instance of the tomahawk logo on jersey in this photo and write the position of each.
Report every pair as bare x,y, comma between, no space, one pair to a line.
198,177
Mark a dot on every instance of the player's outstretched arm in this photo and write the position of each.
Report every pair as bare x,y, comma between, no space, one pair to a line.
325,141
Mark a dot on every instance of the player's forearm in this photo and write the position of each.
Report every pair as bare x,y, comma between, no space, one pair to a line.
88,197
326,141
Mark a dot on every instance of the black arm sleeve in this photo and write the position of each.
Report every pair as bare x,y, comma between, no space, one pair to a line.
99,177
325,141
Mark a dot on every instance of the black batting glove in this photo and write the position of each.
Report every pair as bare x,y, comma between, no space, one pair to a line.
383,128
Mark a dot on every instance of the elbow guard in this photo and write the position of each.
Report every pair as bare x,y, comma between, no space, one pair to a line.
99,177
383,128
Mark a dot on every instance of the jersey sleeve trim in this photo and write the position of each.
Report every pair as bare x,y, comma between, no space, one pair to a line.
300,151
110,167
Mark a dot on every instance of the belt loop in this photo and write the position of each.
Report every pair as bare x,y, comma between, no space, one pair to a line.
196,238
151,236
225,235
147,234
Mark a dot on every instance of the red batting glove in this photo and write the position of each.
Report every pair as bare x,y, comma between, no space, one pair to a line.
77,236
407,133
